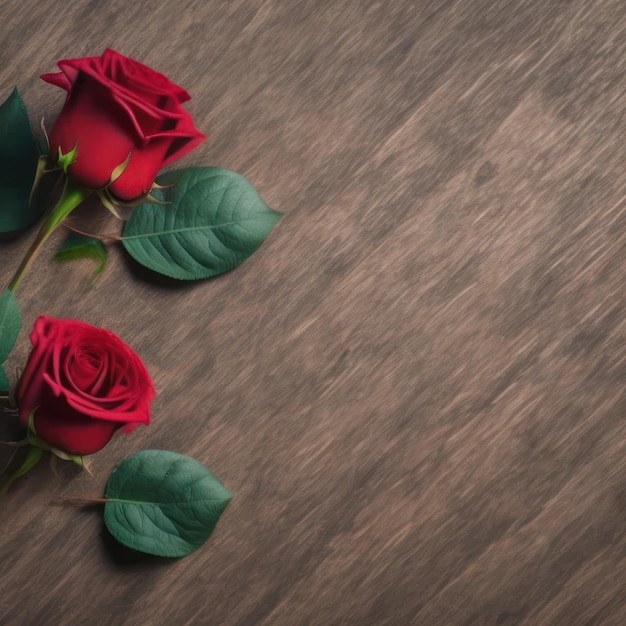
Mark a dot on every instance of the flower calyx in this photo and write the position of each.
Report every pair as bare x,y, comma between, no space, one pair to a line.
65,160
34,440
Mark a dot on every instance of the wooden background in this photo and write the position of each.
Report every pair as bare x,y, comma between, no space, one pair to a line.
415,389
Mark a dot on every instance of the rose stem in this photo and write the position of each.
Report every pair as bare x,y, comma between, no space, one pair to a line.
71,198
79,501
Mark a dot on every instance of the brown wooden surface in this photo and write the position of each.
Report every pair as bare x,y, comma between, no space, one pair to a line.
415,389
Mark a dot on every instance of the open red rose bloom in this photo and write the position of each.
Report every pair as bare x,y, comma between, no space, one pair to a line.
83,383
118,109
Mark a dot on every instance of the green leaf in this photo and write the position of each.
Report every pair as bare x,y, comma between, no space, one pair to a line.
10,323
163,503
4,380
78,246
18,164
32,458
214,222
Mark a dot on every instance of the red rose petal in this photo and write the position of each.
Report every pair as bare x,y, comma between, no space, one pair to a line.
84,383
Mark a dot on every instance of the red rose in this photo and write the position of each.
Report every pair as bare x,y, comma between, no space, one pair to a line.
117,107
84,383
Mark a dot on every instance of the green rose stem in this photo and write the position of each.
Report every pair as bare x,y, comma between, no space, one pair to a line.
71,198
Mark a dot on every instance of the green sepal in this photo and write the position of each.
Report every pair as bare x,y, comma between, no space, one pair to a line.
36,441
45,143
18,164
65,160
152,200
42,168
31,422
113,205
78,246
119,170
109,203
121,210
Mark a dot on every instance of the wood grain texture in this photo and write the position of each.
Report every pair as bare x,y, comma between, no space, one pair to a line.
415,389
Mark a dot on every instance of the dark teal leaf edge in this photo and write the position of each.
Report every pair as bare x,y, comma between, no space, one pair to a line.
38,149
8,307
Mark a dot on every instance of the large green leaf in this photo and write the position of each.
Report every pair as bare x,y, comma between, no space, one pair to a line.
18,164
163,503
10,323
78,246
214,222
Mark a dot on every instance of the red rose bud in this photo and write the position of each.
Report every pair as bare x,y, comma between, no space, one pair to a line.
117,107
83,383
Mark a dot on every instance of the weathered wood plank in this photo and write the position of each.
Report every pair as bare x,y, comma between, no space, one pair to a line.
415,389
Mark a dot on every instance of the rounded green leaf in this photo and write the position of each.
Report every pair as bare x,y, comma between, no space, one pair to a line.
163,503
214,221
